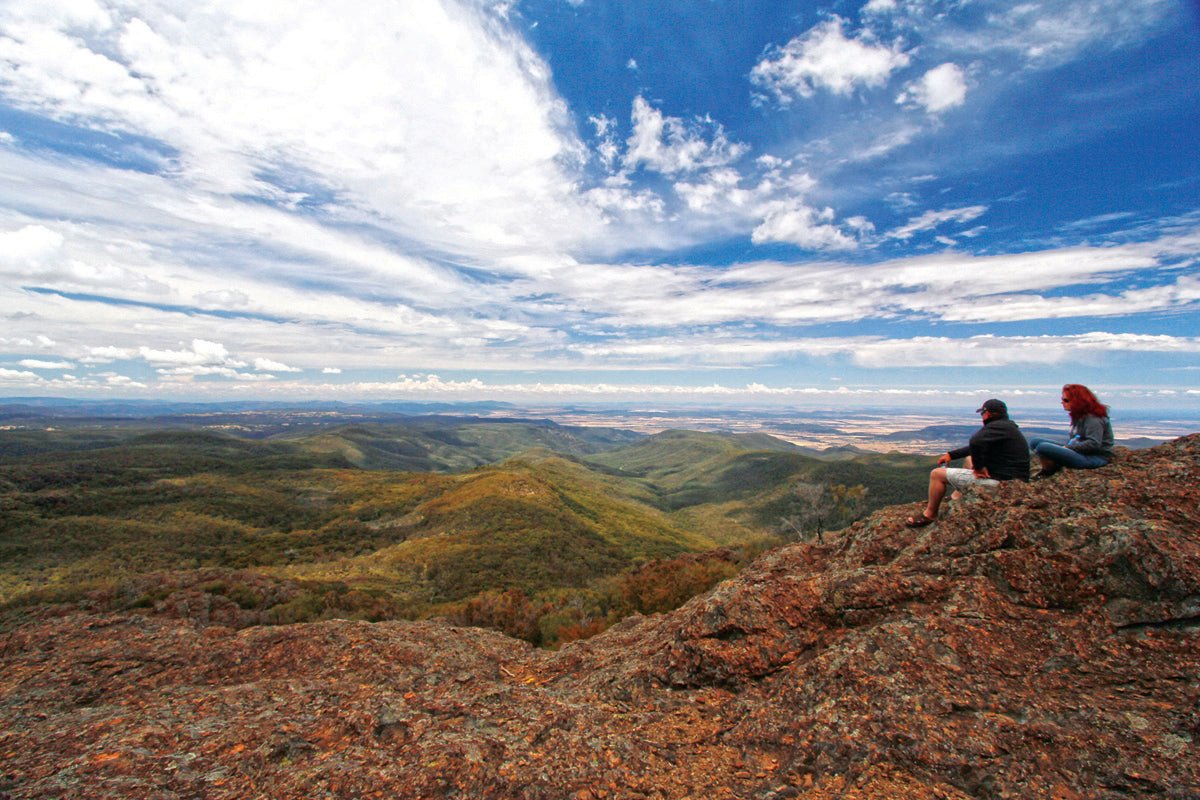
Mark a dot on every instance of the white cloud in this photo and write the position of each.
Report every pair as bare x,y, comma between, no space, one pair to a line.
941,88
800,224
619,196
670,145
607,148
890,137
33,363
948,286
29,246
1177,295
883,353
824,58
879,7
367,138
201,370
203,353
18,376
331,371
124,382
994,351
1051,32
386,111
107,355
224,298
268,365
720,191
933,219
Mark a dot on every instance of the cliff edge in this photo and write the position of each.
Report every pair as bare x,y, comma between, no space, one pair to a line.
1041,641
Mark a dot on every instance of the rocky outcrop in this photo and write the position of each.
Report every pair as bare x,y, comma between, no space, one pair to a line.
1042,641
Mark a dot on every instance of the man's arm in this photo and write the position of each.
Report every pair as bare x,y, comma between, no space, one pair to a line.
956,454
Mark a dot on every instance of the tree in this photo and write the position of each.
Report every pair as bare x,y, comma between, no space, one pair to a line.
816,505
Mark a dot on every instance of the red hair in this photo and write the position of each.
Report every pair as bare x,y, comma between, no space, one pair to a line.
1081,402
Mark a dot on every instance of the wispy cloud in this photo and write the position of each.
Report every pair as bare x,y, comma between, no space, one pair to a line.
232,196
933,219
384,111
1048,33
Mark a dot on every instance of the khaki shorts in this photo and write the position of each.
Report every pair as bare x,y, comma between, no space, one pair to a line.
962,478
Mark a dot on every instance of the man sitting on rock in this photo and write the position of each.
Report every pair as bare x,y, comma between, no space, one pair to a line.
997,452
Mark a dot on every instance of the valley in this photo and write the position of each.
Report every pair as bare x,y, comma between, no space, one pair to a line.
546,531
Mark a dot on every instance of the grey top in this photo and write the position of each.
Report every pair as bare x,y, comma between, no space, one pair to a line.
1092,436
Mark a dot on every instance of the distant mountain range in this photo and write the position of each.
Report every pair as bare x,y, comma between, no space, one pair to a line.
61,406
828,433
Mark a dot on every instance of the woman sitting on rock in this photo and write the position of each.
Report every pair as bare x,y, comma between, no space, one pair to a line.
1091,442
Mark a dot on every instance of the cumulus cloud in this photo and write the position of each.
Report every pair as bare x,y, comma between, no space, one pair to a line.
670,145
268,365
825,58
13,375
29,246
940,89
123,382
802,225
879,7
33,363
202,353
618,195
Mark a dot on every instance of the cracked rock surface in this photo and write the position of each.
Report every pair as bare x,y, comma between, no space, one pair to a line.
1040,641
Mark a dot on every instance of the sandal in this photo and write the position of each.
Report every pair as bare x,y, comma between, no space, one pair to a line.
919,521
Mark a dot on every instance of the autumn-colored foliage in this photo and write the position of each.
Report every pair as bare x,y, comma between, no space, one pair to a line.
543,546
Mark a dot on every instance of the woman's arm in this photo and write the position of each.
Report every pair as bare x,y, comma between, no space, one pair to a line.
1089,435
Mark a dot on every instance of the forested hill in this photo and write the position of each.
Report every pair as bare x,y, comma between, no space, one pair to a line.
1042,641
544,531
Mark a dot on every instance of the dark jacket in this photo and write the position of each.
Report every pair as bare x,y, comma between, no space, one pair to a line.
1000,447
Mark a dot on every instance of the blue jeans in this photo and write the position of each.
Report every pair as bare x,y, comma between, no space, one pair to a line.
1065,456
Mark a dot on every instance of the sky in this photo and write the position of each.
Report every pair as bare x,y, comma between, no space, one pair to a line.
909,202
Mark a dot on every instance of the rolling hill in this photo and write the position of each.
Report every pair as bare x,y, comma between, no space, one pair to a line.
490,521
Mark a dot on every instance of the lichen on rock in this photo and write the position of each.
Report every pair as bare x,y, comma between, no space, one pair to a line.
1039,641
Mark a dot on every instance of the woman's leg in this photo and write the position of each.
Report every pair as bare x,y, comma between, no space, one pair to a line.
1049,467
1055,456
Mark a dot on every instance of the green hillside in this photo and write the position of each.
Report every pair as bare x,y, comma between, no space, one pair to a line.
750,479
530,527
451,445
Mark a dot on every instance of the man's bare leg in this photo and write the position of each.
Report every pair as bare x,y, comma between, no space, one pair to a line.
937,490
957,495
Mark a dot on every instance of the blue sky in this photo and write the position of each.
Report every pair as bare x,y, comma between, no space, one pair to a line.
903,202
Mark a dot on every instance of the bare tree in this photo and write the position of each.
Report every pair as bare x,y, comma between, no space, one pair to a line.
817,504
